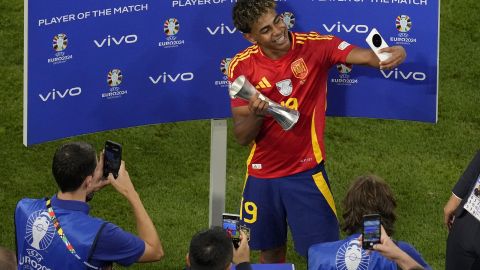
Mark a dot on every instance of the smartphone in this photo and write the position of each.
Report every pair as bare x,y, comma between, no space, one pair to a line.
112,158
376,42
231,224
371,232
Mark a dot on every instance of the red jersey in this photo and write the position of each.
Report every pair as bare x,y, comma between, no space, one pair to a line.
298,81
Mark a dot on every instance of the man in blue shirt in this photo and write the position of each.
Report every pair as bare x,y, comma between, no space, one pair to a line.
58,233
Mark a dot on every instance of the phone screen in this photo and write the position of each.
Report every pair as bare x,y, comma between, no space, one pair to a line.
232,227
112,158
371,231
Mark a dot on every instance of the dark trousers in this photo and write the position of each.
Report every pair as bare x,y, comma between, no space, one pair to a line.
463,244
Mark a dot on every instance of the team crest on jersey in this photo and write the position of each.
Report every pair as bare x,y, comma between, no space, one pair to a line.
285,87
351,256
299,69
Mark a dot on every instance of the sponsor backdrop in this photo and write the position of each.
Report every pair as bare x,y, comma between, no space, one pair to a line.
101,65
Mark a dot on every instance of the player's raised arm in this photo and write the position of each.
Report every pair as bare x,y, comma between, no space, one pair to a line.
362,56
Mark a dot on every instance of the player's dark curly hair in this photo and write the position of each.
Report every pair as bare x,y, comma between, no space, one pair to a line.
247,12
368,194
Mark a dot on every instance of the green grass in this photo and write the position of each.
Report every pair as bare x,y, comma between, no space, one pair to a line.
169,163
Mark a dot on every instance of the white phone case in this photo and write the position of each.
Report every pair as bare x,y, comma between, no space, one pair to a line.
382,56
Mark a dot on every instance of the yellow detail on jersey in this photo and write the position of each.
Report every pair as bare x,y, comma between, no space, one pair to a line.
317,151
241,56
249,159
251,209
300,38
241,208
291,103
325,190
263,84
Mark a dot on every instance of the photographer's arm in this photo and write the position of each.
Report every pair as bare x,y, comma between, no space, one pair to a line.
248,120
145,228
241,255
391,251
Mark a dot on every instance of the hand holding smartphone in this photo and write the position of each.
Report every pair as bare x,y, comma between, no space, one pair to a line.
112,158
376,42
371,232
231,224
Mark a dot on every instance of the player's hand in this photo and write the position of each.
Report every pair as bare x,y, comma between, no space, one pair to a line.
258,106
242,253
449,211
398,55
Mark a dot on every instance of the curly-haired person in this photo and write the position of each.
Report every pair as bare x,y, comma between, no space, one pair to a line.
367,195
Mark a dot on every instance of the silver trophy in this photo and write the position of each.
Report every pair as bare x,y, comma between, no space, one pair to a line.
242,88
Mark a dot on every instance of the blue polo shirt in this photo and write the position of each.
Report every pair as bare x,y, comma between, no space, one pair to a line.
112,243
349,254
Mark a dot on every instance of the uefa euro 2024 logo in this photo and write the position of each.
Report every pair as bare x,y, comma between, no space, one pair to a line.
60,42
115,77
403,23
288,19
171,27
224,65
351,256
344,68
39,231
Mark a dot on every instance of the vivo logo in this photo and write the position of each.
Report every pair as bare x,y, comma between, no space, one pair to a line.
398,74
222,30
109,41
54,94
166,78
340,27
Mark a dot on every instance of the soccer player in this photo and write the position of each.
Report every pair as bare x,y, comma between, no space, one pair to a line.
286,180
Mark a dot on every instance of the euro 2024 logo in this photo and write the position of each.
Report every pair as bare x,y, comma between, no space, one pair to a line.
171,27
224,64
114,79
59,44
39,231
344,71
351,256
288,19
403,23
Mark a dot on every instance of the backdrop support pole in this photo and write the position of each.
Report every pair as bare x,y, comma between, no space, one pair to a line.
218,168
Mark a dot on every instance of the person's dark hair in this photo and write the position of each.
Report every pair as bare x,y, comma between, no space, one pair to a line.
73,162
247,12
368,194
211,249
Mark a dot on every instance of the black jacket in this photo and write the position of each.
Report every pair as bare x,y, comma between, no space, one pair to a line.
466,183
